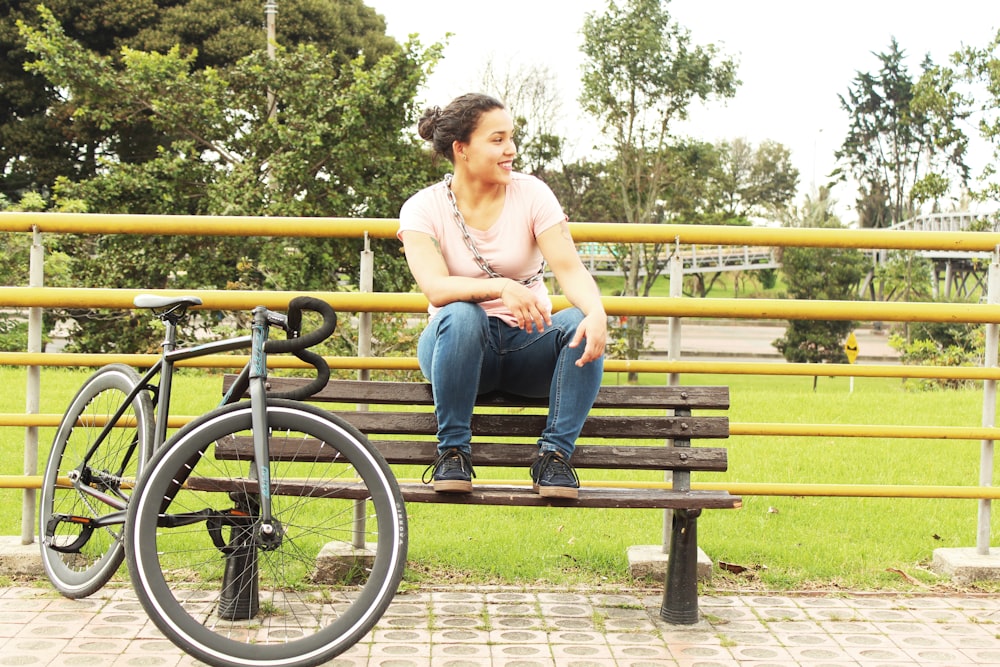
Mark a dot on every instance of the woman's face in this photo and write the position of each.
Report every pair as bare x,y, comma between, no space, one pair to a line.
489,154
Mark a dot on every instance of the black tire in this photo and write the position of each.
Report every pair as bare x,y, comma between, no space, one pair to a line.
293,612
113,469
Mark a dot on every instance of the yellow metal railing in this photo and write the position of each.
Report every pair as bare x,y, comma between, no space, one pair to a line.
64,359
775,309
583,232
37,296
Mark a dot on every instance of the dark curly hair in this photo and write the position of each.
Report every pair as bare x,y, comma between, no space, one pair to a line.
456,122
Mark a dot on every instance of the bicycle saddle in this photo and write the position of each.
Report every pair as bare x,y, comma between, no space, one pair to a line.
157,301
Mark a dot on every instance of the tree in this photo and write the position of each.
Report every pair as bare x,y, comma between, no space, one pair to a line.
906,276
980,66
641,73
818,274
749,182
41,137
903,145
336,147
585,191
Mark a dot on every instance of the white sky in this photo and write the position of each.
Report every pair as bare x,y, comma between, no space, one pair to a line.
795,57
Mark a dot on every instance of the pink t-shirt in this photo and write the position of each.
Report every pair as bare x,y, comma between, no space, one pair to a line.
508,246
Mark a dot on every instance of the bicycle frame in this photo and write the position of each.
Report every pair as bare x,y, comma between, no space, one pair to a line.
255,372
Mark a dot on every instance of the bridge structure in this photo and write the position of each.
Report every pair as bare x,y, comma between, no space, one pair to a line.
696,258
955,275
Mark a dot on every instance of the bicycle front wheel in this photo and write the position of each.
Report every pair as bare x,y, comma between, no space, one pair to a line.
297,592
89,477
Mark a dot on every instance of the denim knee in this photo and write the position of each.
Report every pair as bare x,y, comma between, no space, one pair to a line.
458,331
568,321
462,313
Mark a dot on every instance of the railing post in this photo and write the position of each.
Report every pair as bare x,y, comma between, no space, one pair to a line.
366,284
989,408
36,277
673,353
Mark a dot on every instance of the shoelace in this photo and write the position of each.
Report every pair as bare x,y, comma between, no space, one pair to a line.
553,464
462,461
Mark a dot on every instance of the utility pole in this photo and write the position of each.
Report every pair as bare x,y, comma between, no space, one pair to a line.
271,16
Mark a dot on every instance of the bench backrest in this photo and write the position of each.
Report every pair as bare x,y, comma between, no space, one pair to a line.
626,419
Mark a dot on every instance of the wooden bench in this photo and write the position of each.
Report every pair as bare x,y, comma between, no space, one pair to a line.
506,429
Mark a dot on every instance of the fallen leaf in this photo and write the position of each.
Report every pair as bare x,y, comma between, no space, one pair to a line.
904,575
732,567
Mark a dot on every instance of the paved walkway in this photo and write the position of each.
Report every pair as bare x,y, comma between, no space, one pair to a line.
509,628
752,341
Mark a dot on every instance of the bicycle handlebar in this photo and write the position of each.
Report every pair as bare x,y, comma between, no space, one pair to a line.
297,344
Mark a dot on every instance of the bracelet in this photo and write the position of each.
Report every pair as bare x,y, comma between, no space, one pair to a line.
505,286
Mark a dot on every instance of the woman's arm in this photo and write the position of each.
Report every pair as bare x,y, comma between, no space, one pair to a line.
556,244
423,254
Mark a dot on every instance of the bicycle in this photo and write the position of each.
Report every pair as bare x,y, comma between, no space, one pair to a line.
221,527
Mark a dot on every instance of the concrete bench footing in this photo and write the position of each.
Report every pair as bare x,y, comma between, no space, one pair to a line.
647,561
965,565
339,561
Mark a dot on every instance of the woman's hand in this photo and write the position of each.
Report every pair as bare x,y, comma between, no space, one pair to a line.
593,329
523,304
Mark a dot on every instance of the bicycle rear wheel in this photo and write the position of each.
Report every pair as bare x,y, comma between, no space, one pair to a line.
80,556
229,594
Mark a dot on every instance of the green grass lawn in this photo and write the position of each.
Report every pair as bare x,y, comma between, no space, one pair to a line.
728,285
784,542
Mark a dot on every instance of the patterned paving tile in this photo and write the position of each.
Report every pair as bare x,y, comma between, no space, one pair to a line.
509,628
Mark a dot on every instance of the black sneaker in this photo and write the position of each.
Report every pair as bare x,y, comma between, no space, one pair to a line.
553,477
452,472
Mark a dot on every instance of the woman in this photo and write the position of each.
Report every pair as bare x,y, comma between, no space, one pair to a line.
476,244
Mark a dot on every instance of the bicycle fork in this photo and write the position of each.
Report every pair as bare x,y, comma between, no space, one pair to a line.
239,597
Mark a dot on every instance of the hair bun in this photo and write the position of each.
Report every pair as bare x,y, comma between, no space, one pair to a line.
427,123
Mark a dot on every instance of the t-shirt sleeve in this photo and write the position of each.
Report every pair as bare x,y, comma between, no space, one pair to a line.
546,212
417,215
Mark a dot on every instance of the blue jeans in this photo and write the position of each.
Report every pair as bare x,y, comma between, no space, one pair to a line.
462,352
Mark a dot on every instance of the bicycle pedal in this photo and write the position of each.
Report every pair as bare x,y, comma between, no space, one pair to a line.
86,529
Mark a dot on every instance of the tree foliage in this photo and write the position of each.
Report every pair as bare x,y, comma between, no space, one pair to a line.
641,73
335,145
980,66
940,344
752,182
41,136
819,341
904,144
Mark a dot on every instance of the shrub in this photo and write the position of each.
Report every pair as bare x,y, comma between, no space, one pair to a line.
13,333
940,344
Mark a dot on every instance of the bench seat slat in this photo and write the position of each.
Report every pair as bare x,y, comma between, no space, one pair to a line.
607,497
487,454
521,425
521,496
507,455
419,393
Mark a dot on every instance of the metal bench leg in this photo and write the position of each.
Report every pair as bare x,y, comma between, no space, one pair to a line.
680,594
239,598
